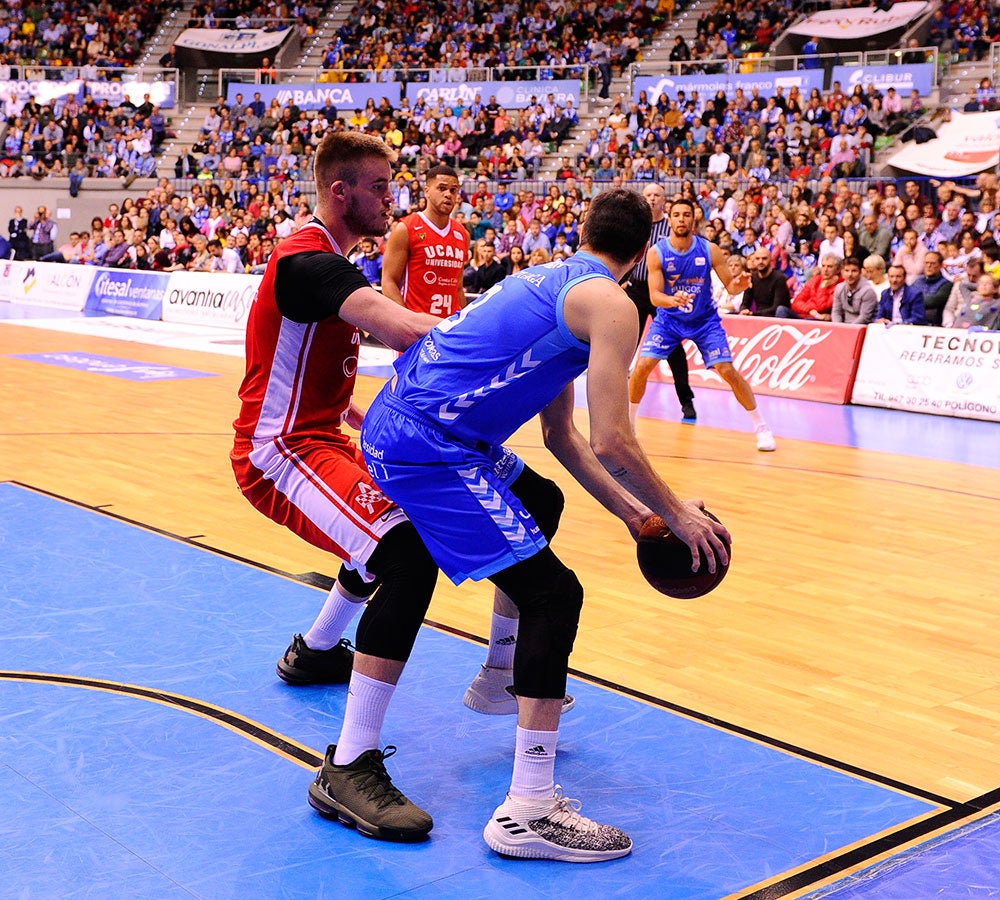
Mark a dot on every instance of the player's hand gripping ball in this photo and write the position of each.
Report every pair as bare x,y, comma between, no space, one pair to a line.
665,562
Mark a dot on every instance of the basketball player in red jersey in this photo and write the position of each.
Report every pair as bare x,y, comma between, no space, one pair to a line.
425,257
426,253
295,465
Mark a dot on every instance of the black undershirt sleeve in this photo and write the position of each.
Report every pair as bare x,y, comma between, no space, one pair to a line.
312,286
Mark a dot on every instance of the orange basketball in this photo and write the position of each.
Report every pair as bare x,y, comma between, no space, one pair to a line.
665,562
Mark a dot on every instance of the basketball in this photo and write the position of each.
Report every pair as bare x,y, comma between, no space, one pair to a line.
665,562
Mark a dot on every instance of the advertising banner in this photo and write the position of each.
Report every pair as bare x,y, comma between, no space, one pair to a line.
859,22
509,94
784,358
123,292
42,91
708,85
943,371
967,144
241,41
161,93
61,285
903,78
210,298
345,97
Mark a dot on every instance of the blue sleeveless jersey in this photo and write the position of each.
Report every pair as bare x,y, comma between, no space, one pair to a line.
691,272
484,372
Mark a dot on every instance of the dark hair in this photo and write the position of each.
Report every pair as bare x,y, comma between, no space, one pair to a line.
618,223
683,201
851,261
440,170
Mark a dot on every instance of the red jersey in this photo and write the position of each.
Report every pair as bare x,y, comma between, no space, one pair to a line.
300,375
434,266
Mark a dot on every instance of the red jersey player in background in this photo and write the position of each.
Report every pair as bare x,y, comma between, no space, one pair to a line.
426,253
422,269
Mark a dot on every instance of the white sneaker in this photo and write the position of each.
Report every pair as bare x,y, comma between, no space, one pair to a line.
552,829
492,693
765,440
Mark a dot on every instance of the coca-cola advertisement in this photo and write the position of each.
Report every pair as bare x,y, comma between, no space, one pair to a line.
809,360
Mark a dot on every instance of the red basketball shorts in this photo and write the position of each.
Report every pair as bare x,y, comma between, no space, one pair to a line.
319,488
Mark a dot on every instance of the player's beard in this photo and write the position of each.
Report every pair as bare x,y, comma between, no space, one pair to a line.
363,222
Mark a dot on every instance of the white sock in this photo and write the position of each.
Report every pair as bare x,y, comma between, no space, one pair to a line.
503,641
633,413
338,610
367,702
756,417
534,764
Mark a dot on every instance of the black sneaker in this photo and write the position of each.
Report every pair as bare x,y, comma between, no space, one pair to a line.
362,796
300,665
688,413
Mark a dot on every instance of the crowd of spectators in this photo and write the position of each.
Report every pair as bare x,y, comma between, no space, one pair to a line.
75,33
816,249
964,30
750,135
74,139
728,31
263,14
445,40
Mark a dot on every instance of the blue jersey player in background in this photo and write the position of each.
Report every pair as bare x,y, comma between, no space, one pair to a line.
680,286
433,442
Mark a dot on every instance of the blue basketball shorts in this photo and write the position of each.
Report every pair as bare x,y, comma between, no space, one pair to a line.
666,332
458,497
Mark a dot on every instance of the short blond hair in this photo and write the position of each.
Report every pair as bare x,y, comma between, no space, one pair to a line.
340,155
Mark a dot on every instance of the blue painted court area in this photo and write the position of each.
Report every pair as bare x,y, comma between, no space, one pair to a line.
108,793
963,864
128,369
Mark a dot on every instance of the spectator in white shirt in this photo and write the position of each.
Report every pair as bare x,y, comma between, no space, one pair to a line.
718,162
224,259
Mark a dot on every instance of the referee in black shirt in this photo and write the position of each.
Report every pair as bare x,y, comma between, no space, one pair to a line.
638,291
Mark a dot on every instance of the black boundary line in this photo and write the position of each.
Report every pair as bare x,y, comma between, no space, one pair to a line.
954,811
850,859
232,720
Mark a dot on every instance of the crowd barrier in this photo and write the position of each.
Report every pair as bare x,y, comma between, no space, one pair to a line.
946,372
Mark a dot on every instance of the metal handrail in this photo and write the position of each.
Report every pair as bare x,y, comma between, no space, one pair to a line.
752,64
104,73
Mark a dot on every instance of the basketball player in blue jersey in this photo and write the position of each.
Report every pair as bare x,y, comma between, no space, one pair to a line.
433,442
680,285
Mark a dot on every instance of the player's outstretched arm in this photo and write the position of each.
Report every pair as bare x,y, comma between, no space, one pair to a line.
734,286
395,326
601,314
397,253
565,442
311,286
655,280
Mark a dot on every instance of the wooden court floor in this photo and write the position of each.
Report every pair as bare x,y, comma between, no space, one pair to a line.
858,623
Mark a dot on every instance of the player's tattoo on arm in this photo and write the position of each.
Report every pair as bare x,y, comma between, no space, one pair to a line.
618,472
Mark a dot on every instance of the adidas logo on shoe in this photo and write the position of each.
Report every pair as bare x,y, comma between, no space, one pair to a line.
552,829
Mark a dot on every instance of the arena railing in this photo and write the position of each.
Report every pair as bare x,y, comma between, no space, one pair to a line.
583,72
39,73
752,64
672,184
